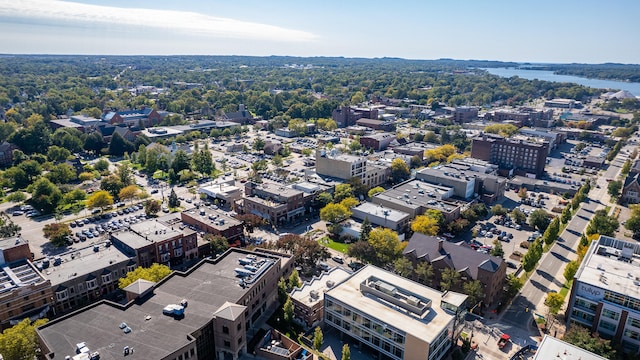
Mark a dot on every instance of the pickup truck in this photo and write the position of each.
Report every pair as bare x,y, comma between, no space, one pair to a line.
504,339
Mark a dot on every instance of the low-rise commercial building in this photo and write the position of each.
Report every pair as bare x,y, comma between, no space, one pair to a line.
24,293
83,276
395,317
415,197
214,221
464,186
276,203
345,166
152,241
379,215
210,312
554,348
605,296
377,141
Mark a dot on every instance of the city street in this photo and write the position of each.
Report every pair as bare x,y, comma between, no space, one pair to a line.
515,320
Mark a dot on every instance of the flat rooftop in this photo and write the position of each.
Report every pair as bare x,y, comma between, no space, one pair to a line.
277,189
415,194
10,242
552,348
312,291
381,212
614,265
144,233
154,335
217,219
80,262
17,275
425,326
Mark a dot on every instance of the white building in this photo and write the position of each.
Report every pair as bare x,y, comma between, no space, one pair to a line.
605,296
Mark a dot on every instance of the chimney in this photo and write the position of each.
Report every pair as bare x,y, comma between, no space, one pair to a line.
440,242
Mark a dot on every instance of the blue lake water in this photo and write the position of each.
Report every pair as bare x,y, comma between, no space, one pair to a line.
545,75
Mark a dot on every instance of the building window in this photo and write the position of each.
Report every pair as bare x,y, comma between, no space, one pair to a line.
605,325
225,330
240,340
61,295
227,343
106,279
239,327
610,314
92,284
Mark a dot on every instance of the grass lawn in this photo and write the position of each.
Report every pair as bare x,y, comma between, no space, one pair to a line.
565,289
338,246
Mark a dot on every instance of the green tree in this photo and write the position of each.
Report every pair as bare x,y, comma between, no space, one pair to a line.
346,352
554,302
45,196
403,267
386,245
155,273
62,173
342,192
514,284
566,214
474,290
119,145
112,185
539,219
218,243
334,213
288,310
16,177
294,279
533,255
152,207
100,199
174,202
101,165
282,291
365,229
318,338
506,130
602,224
424,273
180,161
626,167
324,198
583,338
571,269
57,154
499,210
93,143
258,144
497,249
31,168
17,197
362,251
399,170
553,230
518,216
614,188
202,161
450,279
57,233
20,342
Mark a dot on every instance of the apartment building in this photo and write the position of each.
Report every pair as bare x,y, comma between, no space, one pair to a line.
518,156
524,115
463,114
210,312
395,317
308,299
273,202
82,276
347,116
491,271
345,166
24,293
152,241
605,296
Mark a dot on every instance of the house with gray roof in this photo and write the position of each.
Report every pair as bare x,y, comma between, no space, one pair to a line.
472,265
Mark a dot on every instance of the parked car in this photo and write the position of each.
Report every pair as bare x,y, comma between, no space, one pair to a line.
338,259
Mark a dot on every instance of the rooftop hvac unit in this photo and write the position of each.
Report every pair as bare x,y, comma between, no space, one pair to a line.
314,294
330,283
413,301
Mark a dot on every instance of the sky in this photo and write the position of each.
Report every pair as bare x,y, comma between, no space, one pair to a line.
558,31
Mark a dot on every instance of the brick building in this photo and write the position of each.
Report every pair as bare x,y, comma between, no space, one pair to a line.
145,116
276,203
521,157
214,221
